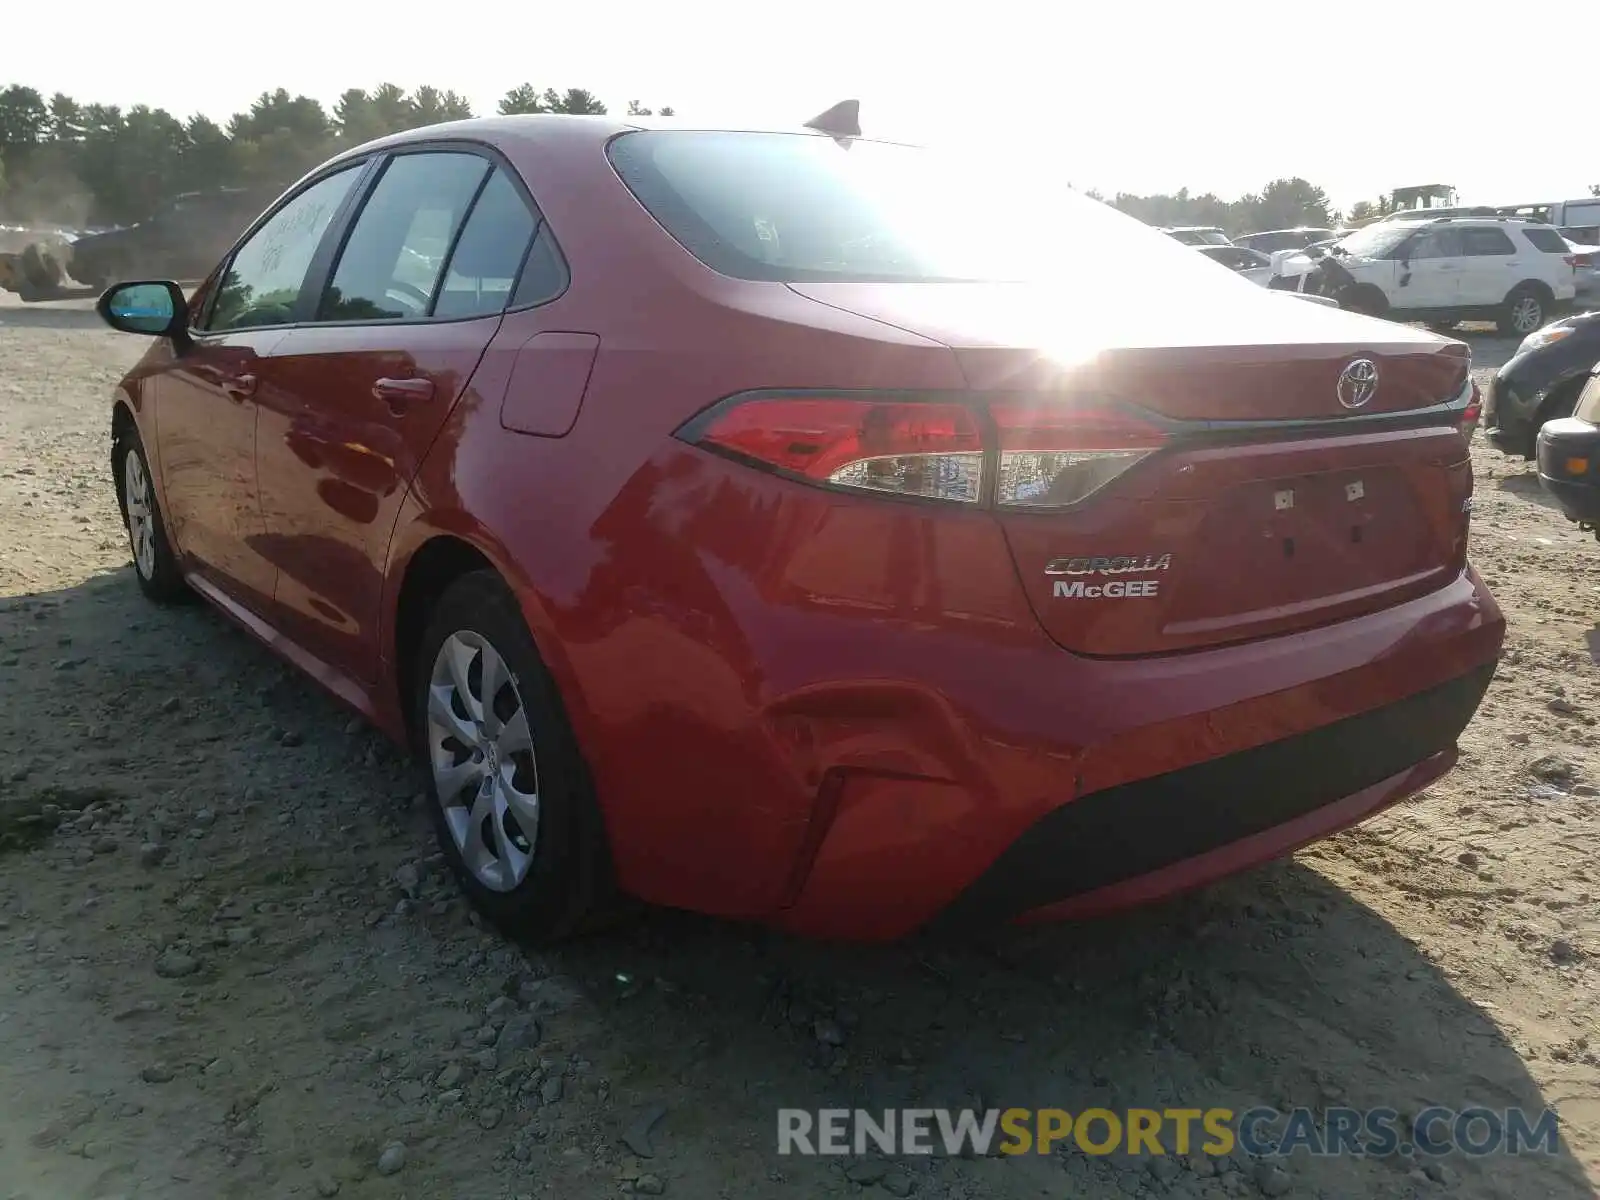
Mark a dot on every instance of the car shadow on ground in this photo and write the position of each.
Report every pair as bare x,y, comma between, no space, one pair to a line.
1276,989
73,315
1526,486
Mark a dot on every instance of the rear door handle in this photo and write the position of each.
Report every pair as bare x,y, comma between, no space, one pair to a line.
239,387
398,393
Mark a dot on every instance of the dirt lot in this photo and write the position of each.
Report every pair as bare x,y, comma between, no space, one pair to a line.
230,965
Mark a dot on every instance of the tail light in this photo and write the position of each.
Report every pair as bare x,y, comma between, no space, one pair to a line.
1032,455
1474,409
1050,455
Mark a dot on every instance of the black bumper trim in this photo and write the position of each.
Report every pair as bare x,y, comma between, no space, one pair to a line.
1579,501
1135,828
1560,441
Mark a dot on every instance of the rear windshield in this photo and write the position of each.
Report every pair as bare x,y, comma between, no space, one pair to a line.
1548,240
805,208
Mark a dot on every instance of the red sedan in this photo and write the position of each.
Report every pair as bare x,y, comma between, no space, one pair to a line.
809,529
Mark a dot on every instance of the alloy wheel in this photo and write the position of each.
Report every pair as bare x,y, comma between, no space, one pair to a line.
141,513
480,749
1526,314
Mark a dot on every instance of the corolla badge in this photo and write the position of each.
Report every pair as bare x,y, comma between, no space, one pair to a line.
1358,382
1107,564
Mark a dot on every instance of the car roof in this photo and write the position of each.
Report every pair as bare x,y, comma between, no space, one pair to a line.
1458,222
565,128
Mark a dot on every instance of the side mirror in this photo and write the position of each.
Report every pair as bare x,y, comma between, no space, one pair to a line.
155,308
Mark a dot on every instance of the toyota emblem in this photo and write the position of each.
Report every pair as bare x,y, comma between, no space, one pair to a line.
1358,382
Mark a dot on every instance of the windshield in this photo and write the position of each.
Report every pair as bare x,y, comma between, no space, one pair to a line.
803,207
1375,240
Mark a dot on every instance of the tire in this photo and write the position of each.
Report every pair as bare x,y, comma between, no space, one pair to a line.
155,566
41,268
1364,299
1561,401
540,885
1524,310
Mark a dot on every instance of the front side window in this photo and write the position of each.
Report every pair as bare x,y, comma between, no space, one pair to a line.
395,254
1436,243
263,281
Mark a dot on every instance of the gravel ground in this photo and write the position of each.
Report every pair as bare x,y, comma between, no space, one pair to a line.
231,966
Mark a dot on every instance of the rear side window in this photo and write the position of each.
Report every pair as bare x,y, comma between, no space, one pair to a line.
484,265
395,253
544,275
1547,240
1486,241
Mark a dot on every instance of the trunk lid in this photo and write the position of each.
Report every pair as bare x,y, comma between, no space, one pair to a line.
1275,506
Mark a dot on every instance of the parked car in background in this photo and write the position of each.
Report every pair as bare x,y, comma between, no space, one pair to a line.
1198,235
182,240
1474,413
1451,269
1541,382
1272,241
1585,269
1250,264
1569,459
734,519
1582,213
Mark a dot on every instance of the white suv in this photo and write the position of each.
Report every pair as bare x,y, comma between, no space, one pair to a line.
1503,269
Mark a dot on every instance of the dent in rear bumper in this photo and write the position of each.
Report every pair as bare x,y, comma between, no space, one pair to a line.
898,850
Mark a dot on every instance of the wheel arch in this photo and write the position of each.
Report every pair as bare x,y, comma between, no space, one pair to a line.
1555,396
1373,300
1538,286
430,553
123,423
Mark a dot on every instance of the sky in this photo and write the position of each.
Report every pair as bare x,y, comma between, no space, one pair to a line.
1139,97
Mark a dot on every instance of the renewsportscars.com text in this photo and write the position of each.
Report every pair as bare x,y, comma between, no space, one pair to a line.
1258,1132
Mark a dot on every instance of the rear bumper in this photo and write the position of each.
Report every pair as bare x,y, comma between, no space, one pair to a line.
1568,454
1149,839
1193,793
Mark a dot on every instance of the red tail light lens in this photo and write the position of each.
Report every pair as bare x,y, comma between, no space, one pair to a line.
1474,410
1048,455
1052,455
907,448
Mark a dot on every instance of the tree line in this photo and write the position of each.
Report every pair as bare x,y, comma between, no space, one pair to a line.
1282,204
75,164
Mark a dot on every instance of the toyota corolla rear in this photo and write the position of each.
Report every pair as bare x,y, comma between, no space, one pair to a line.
1053,593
